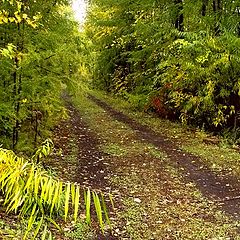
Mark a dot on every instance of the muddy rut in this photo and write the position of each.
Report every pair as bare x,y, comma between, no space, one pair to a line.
80,159
225,190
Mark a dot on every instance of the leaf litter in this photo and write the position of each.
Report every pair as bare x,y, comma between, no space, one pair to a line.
152,197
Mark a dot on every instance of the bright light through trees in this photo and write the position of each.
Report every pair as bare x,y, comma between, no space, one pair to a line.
80,9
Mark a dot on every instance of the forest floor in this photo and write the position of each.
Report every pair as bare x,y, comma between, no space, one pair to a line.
160,189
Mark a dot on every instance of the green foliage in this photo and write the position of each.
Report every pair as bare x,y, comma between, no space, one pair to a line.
44,150
81,232
185,53
28,190
38,58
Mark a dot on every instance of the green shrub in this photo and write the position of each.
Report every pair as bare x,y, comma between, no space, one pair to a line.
28,190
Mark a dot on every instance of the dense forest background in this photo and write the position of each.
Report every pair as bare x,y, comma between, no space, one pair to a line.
178,58
39,55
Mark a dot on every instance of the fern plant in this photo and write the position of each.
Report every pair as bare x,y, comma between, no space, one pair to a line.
28,190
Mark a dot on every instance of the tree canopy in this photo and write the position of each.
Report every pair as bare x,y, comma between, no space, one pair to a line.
39,46
180,58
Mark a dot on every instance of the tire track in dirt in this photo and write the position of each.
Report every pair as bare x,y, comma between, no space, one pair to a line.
90,166
224,190
87,165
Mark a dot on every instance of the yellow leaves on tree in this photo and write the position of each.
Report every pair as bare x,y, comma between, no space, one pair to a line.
19,16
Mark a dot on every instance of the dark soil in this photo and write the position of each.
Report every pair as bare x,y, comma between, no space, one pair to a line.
223,189
91,166
79,159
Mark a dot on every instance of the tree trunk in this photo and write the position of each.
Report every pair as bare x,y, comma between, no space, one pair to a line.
15,130
17,87
179,16
204,7
217,8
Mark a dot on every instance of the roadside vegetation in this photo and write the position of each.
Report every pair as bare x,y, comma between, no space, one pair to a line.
39,198
177,58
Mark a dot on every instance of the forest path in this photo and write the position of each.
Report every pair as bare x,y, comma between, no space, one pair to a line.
154,184
81,159
225,190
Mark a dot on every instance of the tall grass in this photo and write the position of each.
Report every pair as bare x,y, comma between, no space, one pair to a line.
28,190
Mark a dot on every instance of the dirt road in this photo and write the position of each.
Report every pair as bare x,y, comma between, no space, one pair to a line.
156,185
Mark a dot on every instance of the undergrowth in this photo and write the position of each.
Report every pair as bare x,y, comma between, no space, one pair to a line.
28,190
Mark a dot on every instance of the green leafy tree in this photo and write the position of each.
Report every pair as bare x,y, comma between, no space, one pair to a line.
39,53
179,58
